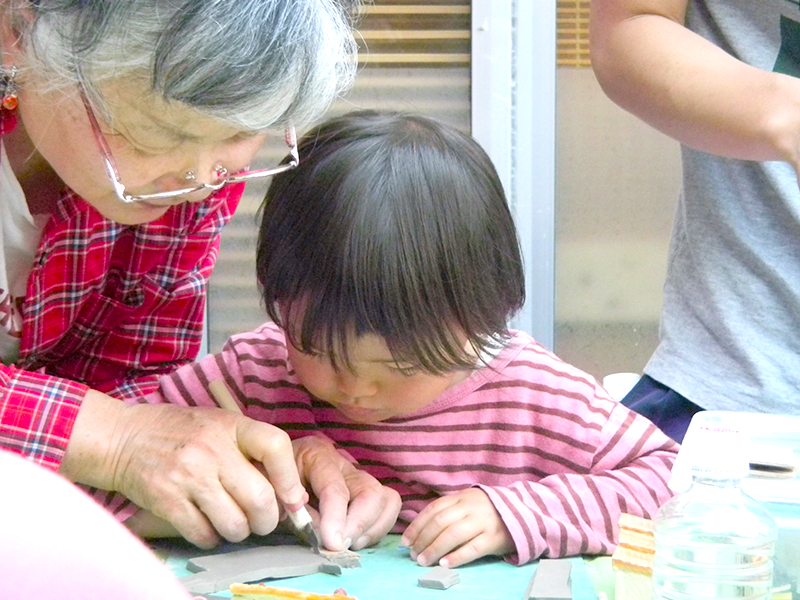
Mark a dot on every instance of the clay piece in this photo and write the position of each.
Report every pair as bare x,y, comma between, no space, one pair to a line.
331,568
439,578
216,572
344,558
551,581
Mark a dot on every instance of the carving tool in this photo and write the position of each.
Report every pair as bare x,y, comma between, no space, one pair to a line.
301,519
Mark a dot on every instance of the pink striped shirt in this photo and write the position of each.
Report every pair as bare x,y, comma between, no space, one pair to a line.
559,459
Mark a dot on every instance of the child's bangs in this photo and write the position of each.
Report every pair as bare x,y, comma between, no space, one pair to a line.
326,324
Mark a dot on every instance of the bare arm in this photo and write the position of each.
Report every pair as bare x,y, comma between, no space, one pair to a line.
686,87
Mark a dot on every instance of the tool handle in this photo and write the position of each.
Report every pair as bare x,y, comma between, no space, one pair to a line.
300,518
223,396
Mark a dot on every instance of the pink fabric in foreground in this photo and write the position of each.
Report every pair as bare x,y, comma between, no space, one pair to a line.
56,542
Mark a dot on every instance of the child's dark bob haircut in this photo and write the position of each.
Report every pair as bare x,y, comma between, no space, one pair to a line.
394,225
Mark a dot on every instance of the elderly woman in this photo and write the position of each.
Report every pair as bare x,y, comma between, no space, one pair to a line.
127,131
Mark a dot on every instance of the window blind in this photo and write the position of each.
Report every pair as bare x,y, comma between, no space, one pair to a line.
572,33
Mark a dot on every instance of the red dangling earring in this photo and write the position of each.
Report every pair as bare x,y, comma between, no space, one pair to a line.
10,99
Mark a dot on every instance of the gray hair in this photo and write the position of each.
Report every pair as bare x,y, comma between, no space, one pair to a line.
250,63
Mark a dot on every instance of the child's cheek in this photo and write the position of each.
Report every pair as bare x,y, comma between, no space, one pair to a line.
317,381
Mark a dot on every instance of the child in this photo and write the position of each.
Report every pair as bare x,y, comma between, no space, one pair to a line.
389,264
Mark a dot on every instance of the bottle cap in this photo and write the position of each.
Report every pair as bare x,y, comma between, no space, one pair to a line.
719,453
714,438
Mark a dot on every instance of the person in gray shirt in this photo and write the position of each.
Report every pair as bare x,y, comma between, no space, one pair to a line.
720,76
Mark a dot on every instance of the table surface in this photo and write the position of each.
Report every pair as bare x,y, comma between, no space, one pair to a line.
387,573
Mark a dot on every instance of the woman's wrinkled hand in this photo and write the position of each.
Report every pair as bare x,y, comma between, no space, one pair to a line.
200,469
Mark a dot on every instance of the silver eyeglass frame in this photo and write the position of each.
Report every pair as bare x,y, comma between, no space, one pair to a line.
110,165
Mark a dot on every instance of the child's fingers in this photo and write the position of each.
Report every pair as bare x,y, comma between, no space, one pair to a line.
424,524
333,501
380,522
475,548
456,534
446,527
457,529
372,512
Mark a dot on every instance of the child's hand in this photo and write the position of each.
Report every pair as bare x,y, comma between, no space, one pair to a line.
457,529
355,509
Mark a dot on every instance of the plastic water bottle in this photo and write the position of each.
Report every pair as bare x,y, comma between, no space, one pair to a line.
713,540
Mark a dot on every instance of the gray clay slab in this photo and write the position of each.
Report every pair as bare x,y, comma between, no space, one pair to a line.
216,572
438,578
551,581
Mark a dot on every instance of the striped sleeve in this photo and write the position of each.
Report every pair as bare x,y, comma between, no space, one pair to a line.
568,514
596,457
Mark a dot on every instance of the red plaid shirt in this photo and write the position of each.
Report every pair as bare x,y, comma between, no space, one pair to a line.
109,307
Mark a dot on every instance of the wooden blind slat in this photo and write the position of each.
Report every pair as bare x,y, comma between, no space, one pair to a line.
428,34
415,9
572,26
417,59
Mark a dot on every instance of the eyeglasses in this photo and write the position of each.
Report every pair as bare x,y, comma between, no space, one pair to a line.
223,178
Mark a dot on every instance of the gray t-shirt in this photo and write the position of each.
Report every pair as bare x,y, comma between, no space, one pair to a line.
730,326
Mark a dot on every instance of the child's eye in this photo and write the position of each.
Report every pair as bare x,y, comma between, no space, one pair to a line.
405,371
